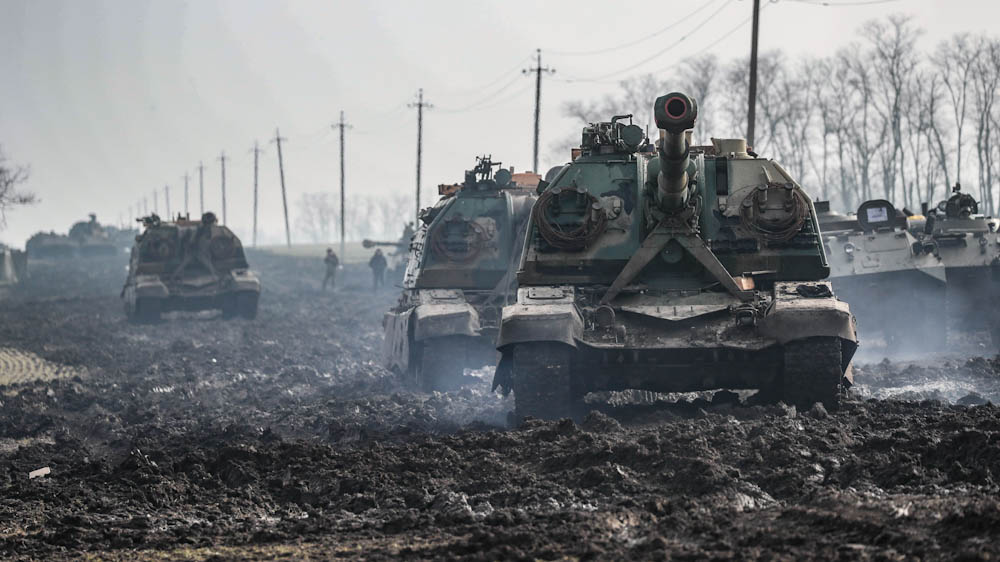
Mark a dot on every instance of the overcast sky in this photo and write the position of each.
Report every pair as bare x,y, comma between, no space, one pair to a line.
108,101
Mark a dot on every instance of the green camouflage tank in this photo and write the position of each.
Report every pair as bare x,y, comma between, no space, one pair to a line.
676,269
459,275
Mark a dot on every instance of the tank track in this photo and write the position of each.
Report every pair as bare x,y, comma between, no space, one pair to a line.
541,381
441,366
812,372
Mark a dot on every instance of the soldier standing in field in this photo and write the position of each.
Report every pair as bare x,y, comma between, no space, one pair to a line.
332,262
378,265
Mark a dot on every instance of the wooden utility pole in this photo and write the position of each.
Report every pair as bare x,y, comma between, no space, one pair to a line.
343,125
222,158
752,101
201,188
420,105
187,211
166,199
145,206
537,70
284,197
256,155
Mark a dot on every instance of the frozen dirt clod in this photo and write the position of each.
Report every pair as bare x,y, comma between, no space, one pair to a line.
283,437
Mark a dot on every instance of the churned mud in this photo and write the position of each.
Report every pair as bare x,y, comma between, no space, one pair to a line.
284,437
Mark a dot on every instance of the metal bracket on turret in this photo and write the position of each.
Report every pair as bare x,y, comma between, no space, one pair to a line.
654,243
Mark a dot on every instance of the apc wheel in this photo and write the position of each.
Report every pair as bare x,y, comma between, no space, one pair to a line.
541,381
246,305
812,372
441,365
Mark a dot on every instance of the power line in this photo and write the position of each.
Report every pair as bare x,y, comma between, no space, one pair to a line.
633,42
538,70
658,53
828,4
486,98
499,77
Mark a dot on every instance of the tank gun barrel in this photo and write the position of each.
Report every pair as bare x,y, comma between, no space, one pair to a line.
675,115
373,243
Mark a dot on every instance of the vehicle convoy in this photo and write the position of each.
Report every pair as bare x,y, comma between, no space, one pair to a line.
967,244
687,269
459,275
188,265
882,270
85,239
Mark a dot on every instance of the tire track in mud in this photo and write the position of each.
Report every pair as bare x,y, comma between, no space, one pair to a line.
20,367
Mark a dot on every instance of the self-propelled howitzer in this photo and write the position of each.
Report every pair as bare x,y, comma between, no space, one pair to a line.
680,269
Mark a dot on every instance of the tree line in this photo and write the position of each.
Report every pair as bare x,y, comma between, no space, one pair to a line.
880,118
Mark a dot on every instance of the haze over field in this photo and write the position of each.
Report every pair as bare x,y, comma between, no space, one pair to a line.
109,101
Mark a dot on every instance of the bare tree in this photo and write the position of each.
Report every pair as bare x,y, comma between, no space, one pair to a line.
955,60
316,217
986,79
10,196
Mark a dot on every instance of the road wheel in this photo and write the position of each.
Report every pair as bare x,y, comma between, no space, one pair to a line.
229,307
147,310
541,380
441,366
812,372
246,304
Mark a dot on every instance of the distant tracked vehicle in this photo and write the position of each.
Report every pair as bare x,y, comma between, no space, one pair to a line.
188,265
459,274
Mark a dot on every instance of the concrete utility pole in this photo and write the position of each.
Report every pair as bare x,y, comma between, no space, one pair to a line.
420,105
284,198
752,102
156,202
256,154
187,211
145,207
166,199
201,188
538,70
222,158
343,125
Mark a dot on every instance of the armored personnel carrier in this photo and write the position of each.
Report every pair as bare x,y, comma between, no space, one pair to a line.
687,269
882,269
188,265
458,277
967,244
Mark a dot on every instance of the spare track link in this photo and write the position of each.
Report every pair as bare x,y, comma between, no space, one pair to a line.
541,381
813,373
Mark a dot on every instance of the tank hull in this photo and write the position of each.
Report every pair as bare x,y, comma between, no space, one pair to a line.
674,342
436,334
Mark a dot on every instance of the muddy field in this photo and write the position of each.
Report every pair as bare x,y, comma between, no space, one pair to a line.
283,437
